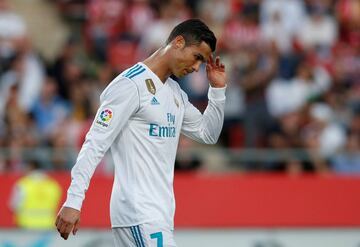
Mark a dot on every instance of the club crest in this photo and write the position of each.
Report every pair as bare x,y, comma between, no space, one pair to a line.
150,86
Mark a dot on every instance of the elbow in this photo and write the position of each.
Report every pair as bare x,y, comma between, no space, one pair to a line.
211,140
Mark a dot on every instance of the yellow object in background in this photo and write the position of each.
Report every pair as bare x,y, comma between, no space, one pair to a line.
35,201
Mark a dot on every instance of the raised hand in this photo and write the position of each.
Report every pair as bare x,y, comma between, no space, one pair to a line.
216,72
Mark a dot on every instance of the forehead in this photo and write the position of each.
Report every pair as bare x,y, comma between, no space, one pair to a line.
202,48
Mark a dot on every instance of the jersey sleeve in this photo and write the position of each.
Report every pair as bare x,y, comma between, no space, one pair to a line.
117,103
206,127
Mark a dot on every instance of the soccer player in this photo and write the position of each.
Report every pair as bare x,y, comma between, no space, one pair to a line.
142,113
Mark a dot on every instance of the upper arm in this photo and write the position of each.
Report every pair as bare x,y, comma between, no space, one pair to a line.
117,103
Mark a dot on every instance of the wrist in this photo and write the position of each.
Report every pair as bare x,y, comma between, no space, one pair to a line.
217,85
217,93
73,201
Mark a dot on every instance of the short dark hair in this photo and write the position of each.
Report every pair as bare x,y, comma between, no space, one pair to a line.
194,31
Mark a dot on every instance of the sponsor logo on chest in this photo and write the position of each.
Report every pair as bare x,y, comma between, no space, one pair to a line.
157,130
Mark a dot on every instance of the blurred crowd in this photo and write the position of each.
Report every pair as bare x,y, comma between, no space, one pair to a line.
293,70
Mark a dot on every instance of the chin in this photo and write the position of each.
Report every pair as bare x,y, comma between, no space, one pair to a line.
178,75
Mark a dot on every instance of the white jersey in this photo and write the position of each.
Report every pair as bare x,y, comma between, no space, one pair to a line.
140,120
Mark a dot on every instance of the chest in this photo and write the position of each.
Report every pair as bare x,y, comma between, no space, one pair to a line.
163,108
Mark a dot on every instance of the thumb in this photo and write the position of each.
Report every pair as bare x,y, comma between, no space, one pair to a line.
76,227
208,68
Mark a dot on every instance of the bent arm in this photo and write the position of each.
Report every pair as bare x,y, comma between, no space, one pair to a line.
205,128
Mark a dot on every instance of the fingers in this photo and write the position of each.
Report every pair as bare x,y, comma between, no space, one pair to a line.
214,65
64,228
76,227
208,67
217,61
222,66
67,221
210,60
57,220
65,235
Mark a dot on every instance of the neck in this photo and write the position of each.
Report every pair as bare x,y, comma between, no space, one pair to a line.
158,63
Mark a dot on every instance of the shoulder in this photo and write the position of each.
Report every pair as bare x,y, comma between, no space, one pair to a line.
120,85
134,73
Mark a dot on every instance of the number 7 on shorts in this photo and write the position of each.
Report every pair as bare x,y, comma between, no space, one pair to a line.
159,237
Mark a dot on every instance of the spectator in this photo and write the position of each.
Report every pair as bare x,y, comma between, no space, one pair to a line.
12,31
35,199
27,72
61,158
253,80
273,32
291,14
60,69
288,96
18,62
322,134
138,15
16,120
348,15
105,22
155,34
50,110
348,162
240,32
319,29
281,57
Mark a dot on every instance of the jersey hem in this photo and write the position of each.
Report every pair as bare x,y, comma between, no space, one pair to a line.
139,223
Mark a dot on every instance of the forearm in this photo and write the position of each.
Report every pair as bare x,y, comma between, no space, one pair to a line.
206,128
81,173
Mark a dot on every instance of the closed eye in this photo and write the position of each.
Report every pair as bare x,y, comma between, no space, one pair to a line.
199,57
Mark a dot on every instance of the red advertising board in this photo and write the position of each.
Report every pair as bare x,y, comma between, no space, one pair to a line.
230,200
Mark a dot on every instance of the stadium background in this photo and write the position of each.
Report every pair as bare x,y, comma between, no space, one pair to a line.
285,171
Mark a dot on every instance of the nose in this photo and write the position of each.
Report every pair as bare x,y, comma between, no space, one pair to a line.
196,66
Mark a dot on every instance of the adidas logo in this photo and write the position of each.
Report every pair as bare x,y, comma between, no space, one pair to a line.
154,101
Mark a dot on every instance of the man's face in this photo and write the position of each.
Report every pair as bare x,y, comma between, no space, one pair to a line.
189,58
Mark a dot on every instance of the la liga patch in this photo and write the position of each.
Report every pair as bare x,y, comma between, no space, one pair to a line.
104,118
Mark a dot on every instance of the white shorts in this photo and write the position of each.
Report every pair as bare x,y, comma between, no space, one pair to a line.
143,235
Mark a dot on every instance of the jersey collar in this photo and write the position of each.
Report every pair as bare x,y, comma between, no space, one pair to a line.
158,83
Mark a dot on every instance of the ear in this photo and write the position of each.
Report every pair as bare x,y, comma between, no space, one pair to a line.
178,42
